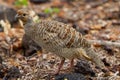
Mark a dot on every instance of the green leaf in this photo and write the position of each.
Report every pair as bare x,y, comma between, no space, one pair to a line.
48,11
51,10
56,10
21,2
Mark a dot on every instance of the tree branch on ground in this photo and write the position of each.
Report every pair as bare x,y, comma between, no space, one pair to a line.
108,43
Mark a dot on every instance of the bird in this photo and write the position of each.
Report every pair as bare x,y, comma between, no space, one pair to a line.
60,39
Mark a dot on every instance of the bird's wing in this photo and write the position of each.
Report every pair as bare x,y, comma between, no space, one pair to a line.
64,35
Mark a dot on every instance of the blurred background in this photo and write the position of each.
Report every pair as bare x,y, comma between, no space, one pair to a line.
95,19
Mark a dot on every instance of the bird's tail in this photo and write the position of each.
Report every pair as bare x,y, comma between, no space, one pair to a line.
94,57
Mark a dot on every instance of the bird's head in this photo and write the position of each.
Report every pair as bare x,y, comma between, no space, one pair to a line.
23,15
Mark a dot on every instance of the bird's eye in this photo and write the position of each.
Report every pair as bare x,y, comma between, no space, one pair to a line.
24,14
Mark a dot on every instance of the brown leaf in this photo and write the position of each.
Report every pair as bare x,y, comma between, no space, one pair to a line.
96,27
17,45
57,3
113,37
17,32
13,62
2,36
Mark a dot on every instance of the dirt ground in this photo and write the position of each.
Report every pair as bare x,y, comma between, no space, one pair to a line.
22,59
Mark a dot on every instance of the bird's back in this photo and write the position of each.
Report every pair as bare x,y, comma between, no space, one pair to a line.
61,35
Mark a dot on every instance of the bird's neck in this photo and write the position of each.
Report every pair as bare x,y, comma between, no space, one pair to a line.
30,21
28,26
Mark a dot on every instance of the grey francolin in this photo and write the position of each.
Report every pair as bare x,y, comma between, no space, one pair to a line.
58,38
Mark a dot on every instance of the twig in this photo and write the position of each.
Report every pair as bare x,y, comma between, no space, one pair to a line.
114,76
108,43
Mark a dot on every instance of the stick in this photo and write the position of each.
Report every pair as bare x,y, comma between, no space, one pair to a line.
108,43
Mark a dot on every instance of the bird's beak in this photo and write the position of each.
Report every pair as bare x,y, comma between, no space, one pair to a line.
17,16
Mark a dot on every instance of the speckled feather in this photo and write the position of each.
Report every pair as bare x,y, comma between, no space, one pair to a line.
61,39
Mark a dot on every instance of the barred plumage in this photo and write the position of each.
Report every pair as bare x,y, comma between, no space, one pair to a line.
59,38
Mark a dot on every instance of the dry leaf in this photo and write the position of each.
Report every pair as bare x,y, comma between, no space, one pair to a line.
6,26
96,27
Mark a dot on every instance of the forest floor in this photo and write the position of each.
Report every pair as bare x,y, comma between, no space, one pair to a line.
95,19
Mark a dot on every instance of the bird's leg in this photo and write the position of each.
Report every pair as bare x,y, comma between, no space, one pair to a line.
60,65
71,63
